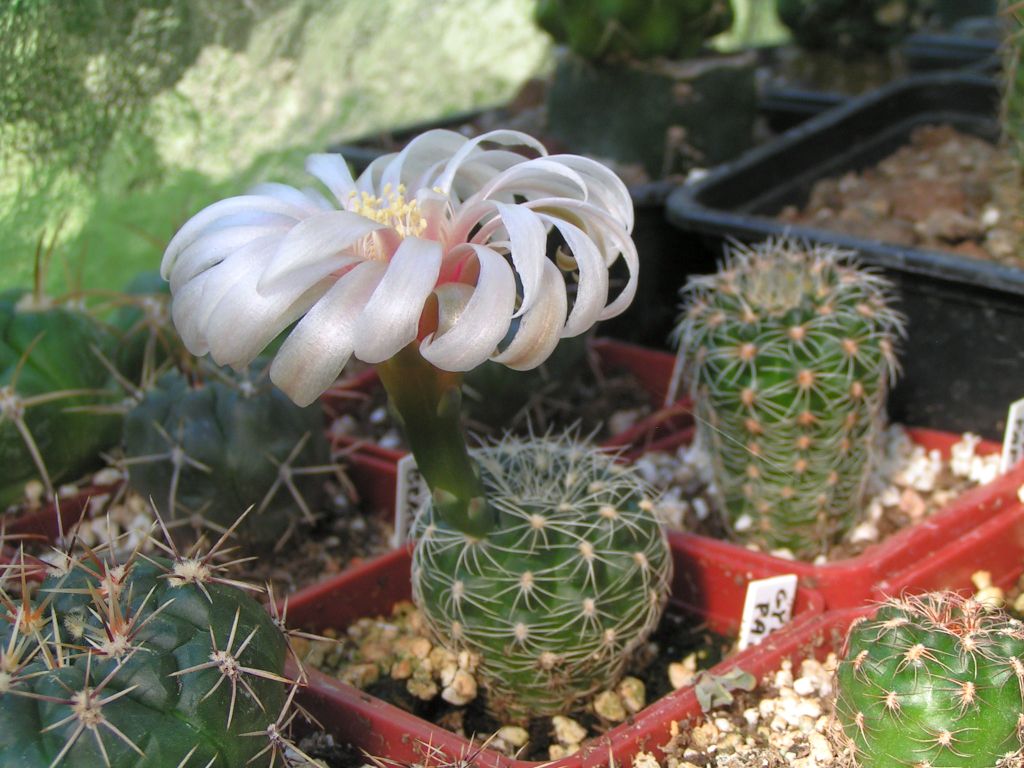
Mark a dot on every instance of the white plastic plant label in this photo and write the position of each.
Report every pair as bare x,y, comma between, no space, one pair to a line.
768,607
410,491
1013,439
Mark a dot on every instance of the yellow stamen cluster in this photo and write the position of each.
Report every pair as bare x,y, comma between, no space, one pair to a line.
391,209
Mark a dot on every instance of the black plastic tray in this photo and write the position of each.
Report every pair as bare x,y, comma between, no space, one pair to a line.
963,362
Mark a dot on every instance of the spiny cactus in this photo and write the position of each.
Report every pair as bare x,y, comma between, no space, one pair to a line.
141,662
934,680
850,25
210,450
55,391
790,352
569,582
633,29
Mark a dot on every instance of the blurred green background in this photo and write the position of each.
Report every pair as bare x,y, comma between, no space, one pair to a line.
121,118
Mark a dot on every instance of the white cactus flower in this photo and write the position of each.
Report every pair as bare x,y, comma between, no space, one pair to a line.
445,242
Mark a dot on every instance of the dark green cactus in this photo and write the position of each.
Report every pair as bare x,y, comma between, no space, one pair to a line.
148,663
55,393
213,450
934,680
569,582
634,29
790,353
850,25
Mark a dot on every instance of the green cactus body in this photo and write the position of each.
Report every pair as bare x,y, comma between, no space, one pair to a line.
51,375
790,353
850,25
633,29
215,450
139,666
934,680
572,578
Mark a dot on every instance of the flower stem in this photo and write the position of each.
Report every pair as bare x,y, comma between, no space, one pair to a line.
427,401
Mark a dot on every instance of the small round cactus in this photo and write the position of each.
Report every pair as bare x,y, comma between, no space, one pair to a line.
790,353
55,393
933,680
850,25
213,450
636,29
141,662
570,581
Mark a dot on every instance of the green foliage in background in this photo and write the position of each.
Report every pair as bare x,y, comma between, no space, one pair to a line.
121,118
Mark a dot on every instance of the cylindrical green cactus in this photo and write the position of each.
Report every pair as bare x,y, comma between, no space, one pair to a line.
1013,85
137,665
55,393
634,29
571,579
790,352
215,449
850,25
933,680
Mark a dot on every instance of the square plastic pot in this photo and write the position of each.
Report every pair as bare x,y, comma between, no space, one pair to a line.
373,468
850,581
966,316
709,584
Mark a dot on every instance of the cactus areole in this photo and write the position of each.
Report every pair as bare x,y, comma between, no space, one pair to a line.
935,680
790,353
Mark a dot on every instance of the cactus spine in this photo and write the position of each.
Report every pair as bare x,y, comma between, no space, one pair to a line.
569,582
790,352
934,680
228,444
142,663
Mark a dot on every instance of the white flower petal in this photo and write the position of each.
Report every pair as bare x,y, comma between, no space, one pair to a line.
616,242
202,221
309,200
245,321
471,146
333,171
315,247
482,323
212,248
391,318
592,288
191,308
540,329
537,178
320,345
605,189
527,237
426,150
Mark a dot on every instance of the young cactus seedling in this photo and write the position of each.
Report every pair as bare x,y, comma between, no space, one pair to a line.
433,261
935,679
790,351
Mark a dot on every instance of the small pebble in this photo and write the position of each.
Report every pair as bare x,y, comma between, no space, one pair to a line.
567,731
